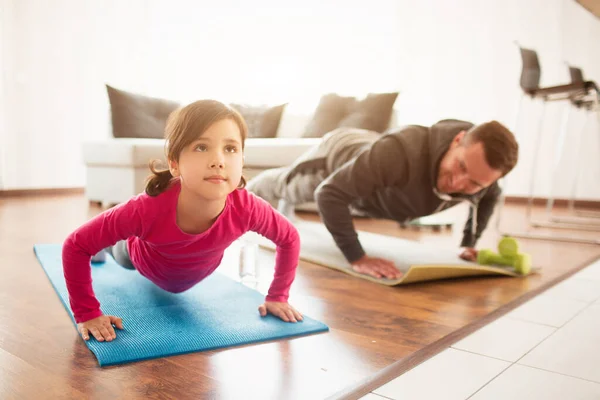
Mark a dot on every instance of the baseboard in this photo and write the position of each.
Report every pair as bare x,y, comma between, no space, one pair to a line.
541,201
41,192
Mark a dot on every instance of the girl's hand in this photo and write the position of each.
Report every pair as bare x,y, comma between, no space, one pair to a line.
281,310
101,328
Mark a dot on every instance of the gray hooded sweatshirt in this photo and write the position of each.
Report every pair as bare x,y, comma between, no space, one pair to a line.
394,178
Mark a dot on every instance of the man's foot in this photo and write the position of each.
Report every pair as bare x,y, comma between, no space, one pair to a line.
287,209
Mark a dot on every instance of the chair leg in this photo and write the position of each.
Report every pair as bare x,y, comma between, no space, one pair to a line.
562,222
586,218
529,209
502,199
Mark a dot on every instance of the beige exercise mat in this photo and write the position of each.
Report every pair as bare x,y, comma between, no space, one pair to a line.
419,262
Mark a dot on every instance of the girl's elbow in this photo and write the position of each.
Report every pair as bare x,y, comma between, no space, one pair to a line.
292,239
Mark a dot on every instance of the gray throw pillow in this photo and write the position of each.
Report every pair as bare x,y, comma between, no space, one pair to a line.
137,116
262,121
372,113
331,110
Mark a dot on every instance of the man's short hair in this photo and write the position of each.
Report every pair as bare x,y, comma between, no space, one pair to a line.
499,144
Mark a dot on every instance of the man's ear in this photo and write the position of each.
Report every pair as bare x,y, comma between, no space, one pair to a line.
458,138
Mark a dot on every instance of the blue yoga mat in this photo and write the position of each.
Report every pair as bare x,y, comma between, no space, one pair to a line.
218,312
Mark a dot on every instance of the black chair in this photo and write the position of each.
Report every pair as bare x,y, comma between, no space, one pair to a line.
577,93
591,88
530,81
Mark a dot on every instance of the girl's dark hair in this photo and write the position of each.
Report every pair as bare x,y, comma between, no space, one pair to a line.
185,125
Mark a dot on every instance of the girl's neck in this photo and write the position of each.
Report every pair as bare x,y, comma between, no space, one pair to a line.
196,214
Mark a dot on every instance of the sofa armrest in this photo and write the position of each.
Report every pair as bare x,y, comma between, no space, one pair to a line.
123,152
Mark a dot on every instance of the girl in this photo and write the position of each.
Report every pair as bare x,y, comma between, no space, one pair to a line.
175,233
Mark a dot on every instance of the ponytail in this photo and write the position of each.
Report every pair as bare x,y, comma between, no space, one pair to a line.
159,181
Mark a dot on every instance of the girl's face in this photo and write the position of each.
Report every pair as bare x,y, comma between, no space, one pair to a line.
211,166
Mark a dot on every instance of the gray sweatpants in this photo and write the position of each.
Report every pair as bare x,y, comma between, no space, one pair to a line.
119,252
271,185
296,184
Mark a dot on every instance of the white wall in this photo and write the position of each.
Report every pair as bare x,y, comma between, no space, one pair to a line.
2,100
447,58
64,51
467,65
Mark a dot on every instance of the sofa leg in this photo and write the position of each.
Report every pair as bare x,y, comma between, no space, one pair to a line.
95,203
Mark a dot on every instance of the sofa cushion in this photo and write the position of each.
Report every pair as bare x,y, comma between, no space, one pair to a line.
372,113
137,116
331,109
262,121
294,120
273,153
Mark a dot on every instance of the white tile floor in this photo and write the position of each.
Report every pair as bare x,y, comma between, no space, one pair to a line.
548,348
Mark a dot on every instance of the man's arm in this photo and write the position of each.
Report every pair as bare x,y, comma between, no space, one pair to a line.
383,164
485,209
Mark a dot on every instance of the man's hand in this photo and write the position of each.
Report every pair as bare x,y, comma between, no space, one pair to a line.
101,328
469,254
376,267
281,310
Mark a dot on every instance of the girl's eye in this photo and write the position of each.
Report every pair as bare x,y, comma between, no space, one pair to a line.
231,149
201,147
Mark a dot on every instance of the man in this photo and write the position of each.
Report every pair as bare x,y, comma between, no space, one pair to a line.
401,175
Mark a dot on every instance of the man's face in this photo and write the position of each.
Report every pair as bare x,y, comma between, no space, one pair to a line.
464,170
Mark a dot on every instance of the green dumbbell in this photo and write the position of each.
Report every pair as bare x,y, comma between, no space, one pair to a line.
508,246
522,263
509,256
490,257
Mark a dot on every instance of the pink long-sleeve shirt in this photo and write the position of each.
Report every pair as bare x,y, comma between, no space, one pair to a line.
172,259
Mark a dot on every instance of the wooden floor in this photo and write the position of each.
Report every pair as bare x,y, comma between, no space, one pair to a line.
373,327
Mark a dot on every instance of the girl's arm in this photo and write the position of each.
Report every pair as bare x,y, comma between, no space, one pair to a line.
266,221
107,228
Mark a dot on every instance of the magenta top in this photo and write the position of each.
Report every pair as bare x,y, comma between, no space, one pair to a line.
172,259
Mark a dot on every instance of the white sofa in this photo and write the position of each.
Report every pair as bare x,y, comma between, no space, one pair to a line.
116,169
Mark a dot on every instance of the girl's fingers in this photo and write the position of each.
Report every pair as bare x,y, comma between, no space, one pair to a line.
107,336
118,322
262,310
283,315
290,314
297,314
111,332
84,333
96,333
